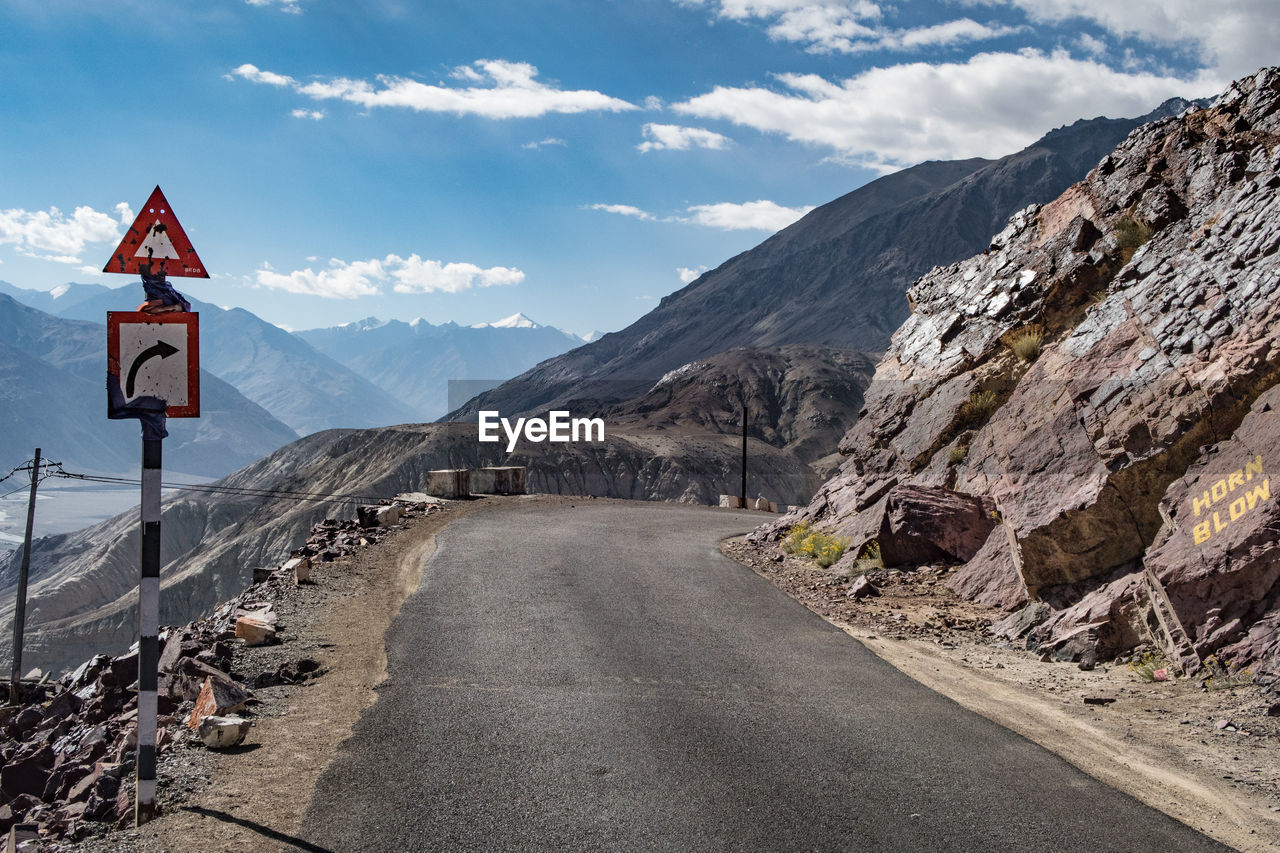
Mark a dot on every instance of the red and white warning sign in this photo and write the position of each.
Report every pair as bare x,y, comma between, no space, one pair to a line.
156,355
156,244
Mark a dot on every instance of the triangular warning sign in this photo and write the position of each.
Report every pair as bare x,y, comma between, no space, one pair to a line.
156,244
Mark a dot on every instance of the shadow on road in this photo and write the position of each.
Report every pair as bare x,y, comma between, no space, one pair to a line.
259,828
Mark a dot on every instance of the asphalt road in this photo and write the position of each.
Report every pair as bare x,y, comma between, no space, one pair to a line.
601,678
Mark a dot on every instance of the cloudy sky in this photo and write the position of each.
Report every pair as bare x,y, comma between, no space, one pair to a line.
572,159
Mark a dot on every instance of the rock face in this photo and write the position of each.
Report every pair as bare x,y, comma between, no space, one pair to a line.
1103,373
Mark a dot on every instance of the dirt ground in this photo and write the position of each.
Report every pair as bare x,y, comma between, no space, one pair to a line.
1208,757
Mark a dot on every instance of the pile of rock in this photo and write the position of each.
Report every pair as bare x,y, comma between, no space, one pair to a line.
69,747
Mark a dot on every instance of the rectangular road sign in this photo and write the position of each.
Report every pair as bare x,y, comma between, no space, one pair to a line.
157,355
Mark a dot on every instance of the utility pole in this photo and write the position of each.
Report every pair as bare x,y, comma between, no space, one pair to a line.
744,455
20,611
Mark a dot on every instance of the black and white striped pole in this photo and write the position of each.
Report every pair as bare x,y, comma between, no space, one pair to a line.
148,630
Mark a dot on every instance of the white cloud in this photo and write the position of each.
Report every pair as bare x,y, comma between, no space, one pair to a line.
688,275
846,26
1231,38
414,275
289,6
676,138
551,140
624,210
751,216
125,212
938,35
51,235
988,106
343,280
254,74
727,216
314,115
89,270
1091,45
497,89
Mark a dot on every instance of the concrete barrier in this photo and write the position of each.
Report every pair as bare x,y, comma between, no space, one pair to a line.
508,480
449,483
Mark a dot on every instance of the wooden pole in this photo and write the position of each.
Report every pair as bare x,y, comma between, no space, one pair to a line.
744,455
20,611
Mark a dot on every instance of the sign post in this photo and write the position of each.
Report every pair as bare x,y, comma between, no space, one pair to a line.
153,373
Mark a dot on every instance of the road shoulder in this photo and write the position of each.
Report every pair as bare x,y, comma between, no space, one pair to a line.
1159,742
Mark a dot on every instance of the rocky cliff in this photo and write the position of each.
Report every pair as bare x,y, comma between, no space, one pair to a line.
1104,379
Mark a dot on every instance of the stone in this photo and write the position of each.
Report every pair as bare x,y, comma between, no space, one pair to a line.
218,732
730,502
376,515
254,632
861,588
217,698
189,678
27,775
1099,700
923,524
300,567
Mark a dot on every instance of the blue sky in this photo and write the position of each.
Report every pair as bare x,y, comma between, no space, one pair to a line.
575,161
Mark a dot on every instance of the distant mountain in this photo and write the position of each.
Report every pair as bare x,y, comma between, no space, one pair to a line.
57,300
299,386
592,336
53,396
800,398
837,277
415,361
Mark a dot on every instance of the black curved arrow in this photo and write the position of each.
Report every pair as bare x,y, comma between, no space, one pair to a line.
161,349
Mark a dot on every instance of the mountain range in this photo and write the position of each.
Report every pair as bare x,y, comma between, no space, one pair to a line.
837,277
264,386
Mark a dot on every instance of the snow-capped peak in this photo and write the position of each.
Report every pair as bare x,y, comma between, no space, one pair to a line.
60,291
515,321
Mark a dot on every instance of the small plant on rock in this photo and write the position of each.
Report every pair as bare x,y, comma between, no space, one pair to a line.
1130,234
869,557
1220,677
1148,665
959,453
980,407
804,541
1026,342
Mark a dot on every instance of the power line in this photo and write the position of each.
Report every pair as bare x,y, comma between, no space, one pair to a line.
242,491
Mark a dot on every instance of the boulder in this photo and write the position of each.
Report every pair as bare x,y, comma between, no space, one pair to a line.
218,697
219,732
254,631
923,524
28,775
